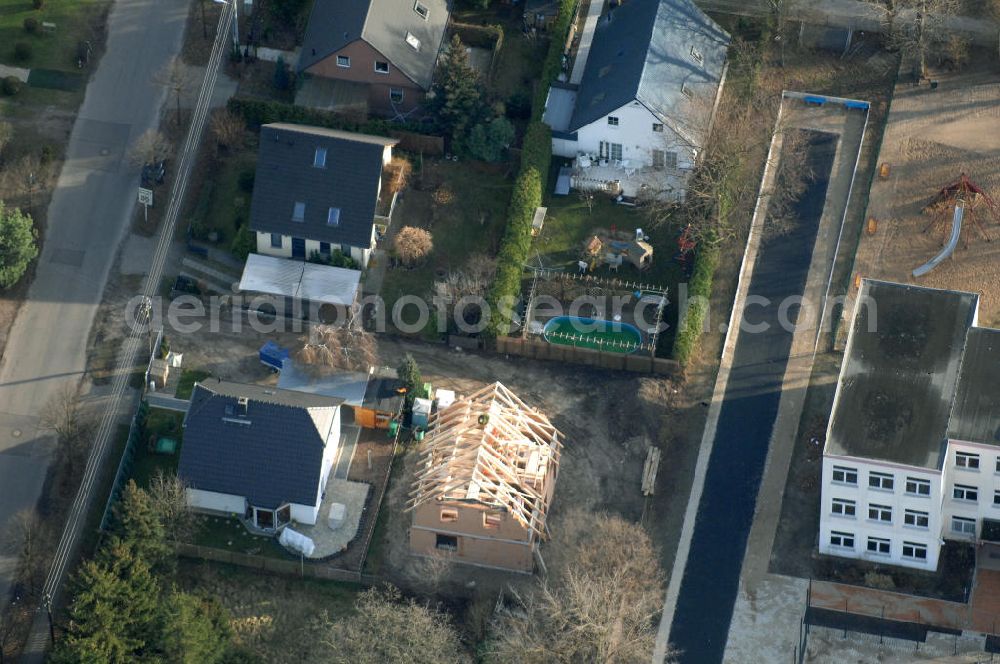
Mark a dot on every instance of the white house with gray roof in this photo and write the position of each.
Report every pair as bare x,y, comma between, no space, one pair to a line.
262,453
912,453
643,107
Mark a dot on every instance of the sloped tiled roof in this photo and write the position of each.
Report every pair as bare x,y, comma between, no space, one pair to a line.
642,50
286,176
384,24
271,455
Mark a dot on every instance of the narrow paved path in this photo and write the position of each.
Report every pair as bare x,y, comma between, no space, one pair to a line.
711,577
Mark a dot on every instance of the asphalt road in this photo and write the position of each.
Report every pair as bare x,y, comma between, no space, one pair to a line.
725,513
88,217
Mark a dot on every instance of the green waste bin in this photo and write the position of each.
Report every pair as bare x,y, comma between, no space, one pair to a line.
393,428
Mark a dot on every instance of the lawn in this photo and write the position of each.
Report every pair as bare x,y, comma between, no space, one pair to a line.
185,386
75,20
464,206
223,205
227,533
145,464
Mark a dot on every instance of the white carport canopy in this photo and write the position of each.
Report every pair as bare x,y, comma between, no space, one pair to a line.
301,280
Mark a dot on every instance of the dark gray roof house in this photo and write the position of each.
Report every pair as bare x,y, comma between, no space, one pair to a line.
975,415
652,51
329,198
262,443
383,25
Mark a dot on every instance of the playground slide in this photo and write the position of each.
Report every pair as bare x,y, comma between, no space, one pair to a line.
956,231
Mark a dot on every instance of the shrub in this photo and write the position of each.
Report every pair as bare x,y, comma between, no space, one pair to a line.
412,244
37,4
11,85
246,179
47,154
282,77
31,25
692,320
488,141
22,51
537,148
518,105
244,243
553,58
256,113
18,245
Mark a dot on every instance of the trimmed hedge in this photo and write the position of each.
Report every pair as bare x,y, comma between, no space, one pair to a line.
553,59
536,151
699,292
514,250
256,113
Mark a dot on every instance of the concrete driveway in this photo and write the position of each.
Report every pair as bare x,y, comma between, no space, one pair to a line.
88,217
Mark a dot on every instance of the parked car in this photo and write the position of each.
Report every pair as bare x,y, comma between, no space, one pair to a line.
154,173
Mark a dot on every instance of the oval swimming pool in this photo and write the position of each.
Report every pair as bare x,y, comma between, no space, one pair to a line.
593,333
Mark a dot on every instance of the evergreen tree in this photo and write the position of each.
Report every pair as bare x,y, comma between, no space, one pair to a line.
457,100
138,525
18,244
195,630
409,373
114,617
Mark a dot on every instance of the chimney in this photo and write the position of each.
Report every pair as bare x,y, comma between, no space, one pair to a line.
241,407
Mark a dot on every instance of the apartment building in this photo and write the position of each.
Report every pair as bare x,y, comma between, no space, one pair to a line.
912,454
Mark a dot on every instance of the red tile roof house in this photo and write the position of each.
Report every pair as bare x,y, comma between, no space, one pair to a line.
371,55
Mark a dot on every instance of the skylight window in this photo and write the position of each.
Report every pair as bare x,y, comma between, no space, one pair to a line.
696,54
333,216
319,159
299,212
412,40
686,91
421,10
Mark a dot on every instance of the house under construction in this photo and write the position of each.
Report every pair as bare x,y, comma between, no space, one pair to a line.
485,481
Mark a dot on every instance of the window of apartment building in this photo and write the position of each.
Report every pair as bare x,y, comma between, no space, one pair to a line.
880,513
915,550
421,10
324,248
965,492
996,498
696,54
299,211
843,507
446,542
878,545
491,520
880,481
333,216
845,540
396,95
319,158
845,475
657,128
613,121
276,240
412,40
918,487
381,67
967,460
343,61
998,465
916,518
449,516
963,526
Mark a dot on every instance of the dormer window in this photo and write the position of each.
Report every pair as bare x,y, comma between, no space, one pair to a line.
421,10
696,54
412,40
333,216
299,212
319,159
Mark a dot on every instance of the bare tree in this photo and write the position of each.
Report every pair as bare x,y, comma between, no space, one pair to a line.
398,172
472,279
413,244
228,128
168,496
14,620
26,539
588,196
597,604
329,349
150,148
6,134
63,416
918,28
176,78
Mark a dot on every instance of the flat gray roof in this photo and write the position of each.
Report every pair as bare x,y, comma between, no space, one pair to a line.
975,416
900,373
